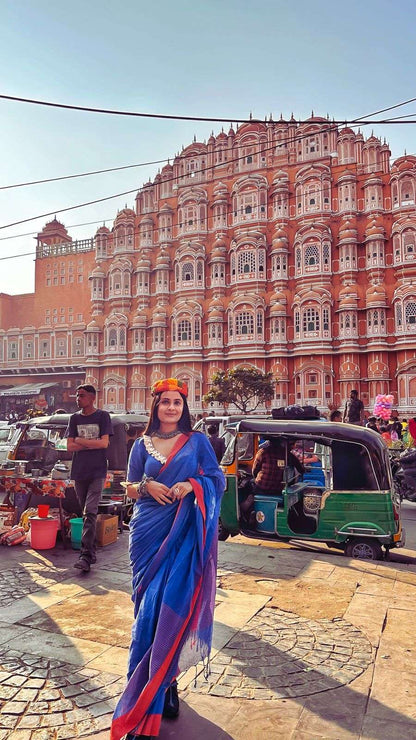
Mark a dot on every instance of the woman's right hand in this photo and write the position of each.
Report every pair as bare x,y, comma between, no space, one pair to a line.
159,492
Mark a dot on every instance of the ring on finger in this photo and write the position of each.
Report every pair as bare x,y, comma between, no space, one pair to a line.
176,490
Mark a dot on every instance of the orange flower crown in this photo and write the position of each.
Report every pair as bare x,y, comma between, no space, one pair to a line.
170,384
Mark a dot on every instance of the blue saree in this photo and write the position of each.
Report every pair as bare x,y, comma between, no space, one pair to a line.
173,554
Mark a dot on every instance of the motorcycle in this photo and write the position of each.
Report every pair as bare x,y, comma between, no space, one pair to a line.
404,474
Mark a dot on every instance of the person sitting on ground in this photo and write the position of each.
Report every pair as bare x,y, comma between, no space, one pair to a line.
217,442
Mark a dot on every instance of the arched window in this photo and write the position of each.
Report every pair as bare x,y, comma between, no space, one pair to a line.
130,236
310,320
187,272
376,322
279,266
184,331
406,192
143,283
311,257
244,324
116,339
215,335
375,253
278,329
77,346
217,273
410,315
247,264
250,264
348,324
139,340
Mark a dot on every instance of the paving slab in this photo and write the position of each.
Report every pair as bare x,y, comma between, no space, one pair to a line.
307,644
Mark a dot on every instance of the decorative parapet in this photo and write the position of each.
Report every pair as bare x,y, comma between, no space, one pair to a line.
58,250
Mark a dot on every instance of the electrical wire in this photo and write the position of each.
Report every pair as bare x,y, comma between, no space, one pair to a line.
163,161
171,117
70,226
330,126
83,174
280,143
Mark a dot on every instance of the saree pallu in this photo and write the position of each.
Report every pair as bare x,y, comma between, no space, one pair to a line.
173,553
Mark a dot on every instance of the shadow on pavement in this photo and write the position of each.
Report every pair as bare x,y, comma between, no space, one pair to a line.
327,702
189,725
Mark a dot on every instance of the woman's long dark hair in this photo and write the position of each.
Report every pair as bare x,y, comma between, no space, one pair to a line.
184,423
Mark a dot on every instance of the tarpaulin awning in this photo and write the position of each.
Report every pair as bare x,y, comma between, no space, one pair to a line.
28,389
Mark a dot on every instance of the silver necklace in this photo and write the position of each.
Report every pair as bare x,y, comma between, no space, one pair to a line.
165,435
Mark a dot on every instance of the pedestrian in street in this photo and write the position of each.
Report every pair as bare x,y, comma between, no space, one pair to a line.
335,415
373,424
217,442
354,409
88,433
174,476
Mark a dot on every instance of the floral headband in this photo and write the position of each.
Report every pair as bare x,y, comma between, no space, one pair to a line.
170,384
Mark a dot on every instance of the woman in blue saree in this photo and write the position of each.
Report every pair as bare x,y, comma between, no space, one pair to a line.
175,477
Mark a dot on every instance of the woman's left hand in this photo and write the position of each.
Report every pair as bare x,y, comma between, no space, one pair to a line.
180,490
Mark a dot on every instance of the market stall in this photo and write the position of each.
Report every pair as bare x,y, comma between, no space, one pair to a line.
20,490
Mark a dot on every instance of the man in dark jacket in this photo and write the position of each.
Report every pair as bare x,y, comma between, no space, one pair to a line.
217,442
354,409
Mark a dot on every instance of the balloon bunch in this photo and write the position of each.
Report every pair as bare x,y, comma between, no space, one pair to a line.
383,406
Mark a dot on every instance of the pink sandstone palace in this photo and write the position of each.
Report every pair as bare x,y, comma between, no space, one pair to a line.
283,246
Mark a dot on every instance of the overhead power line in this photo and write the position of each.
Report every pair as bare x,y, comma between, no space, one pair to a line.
329,124
204,119
165,160
281,142
83,174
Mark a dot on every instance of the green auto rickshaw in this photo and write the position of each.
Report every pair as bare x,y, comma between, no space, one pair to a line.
341,494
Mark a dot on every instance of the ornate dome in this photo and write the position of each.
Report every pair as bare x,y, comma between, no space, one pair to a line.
97,273
126,214
93,326
376,296
375,228
347,232
143,263
346,131
102,230
162,260
278,303
219,250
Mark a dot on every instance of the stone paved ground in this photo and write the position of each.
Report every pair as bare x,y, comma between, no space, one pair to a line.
279,655
17,582
307,645
43,698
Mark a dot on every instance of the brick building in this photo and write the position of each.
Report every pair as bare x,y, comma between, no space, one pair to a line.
290,247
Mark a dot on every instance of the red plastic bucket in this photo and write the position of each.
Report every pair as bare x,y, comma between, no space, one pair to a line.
43,510
43,532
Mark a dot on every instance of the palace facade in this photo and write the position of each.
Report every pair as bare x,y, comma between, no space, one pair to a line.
288,247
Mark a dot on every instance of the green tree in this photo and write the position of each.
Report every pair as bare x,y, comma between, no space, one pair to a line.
241,386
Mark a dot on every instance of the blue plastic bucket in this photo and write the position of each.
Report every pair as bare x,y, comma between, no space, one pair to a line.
76,532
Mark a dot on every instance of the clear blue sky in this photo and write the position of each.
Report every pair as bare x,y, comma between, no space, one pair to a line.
220,58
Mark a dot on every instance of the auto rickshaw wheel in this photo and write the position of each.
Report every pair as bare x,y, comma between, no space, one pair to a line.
363,549
223,533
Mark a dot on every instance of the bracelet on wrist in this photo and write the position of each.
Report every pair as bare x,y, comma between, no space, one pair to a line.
142,486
